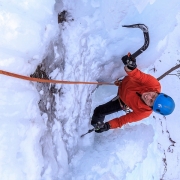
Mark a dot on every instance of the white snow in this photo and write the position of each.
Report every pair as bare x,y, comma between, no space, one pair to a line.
40,140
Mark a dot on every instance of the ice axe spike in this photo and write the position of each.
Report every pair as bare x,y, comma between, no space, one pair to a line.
90,130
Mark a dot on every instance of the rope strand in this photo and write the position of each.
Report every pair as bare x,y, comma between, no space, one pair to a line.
50,80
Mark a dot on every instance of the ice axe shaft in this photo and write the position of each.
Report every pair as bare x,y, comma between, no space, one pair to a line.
90,130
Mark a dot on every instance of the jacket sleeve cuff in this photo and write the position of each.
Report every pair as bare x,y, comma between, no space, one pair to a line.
131,73
115,123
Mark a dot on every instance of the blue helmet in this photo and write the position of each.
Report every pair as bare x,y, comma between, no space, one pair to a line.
163,104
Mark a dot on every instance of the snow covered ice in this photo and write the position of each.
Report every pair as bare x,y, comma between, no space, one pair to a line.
41,124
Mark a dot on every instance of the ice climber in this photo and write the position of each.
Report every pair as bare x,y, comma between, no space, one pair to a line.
140,92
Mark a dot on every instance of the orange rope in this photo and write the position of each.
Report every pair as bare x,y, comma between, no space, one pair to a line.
49,80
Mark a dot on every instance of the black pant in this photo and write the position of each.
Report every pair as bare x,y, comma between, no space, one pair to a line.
101,111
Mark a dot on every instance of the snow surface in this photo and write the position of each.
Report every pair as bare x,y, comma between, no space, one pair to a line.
41,124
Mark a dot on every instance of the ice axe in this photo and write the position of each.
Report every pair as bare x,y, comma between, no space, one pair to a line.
97,126
144,28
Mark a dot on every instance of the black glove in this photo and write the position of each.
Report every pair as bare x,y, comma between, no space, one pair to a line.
103,128
129,61
98,125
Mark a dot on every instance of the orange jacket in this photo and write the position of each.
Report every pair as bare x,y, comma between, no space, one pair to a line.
139,82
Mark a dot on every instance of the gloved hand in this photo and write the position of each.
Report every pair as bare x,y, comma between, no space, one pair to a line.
98,125
129,61
103,128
